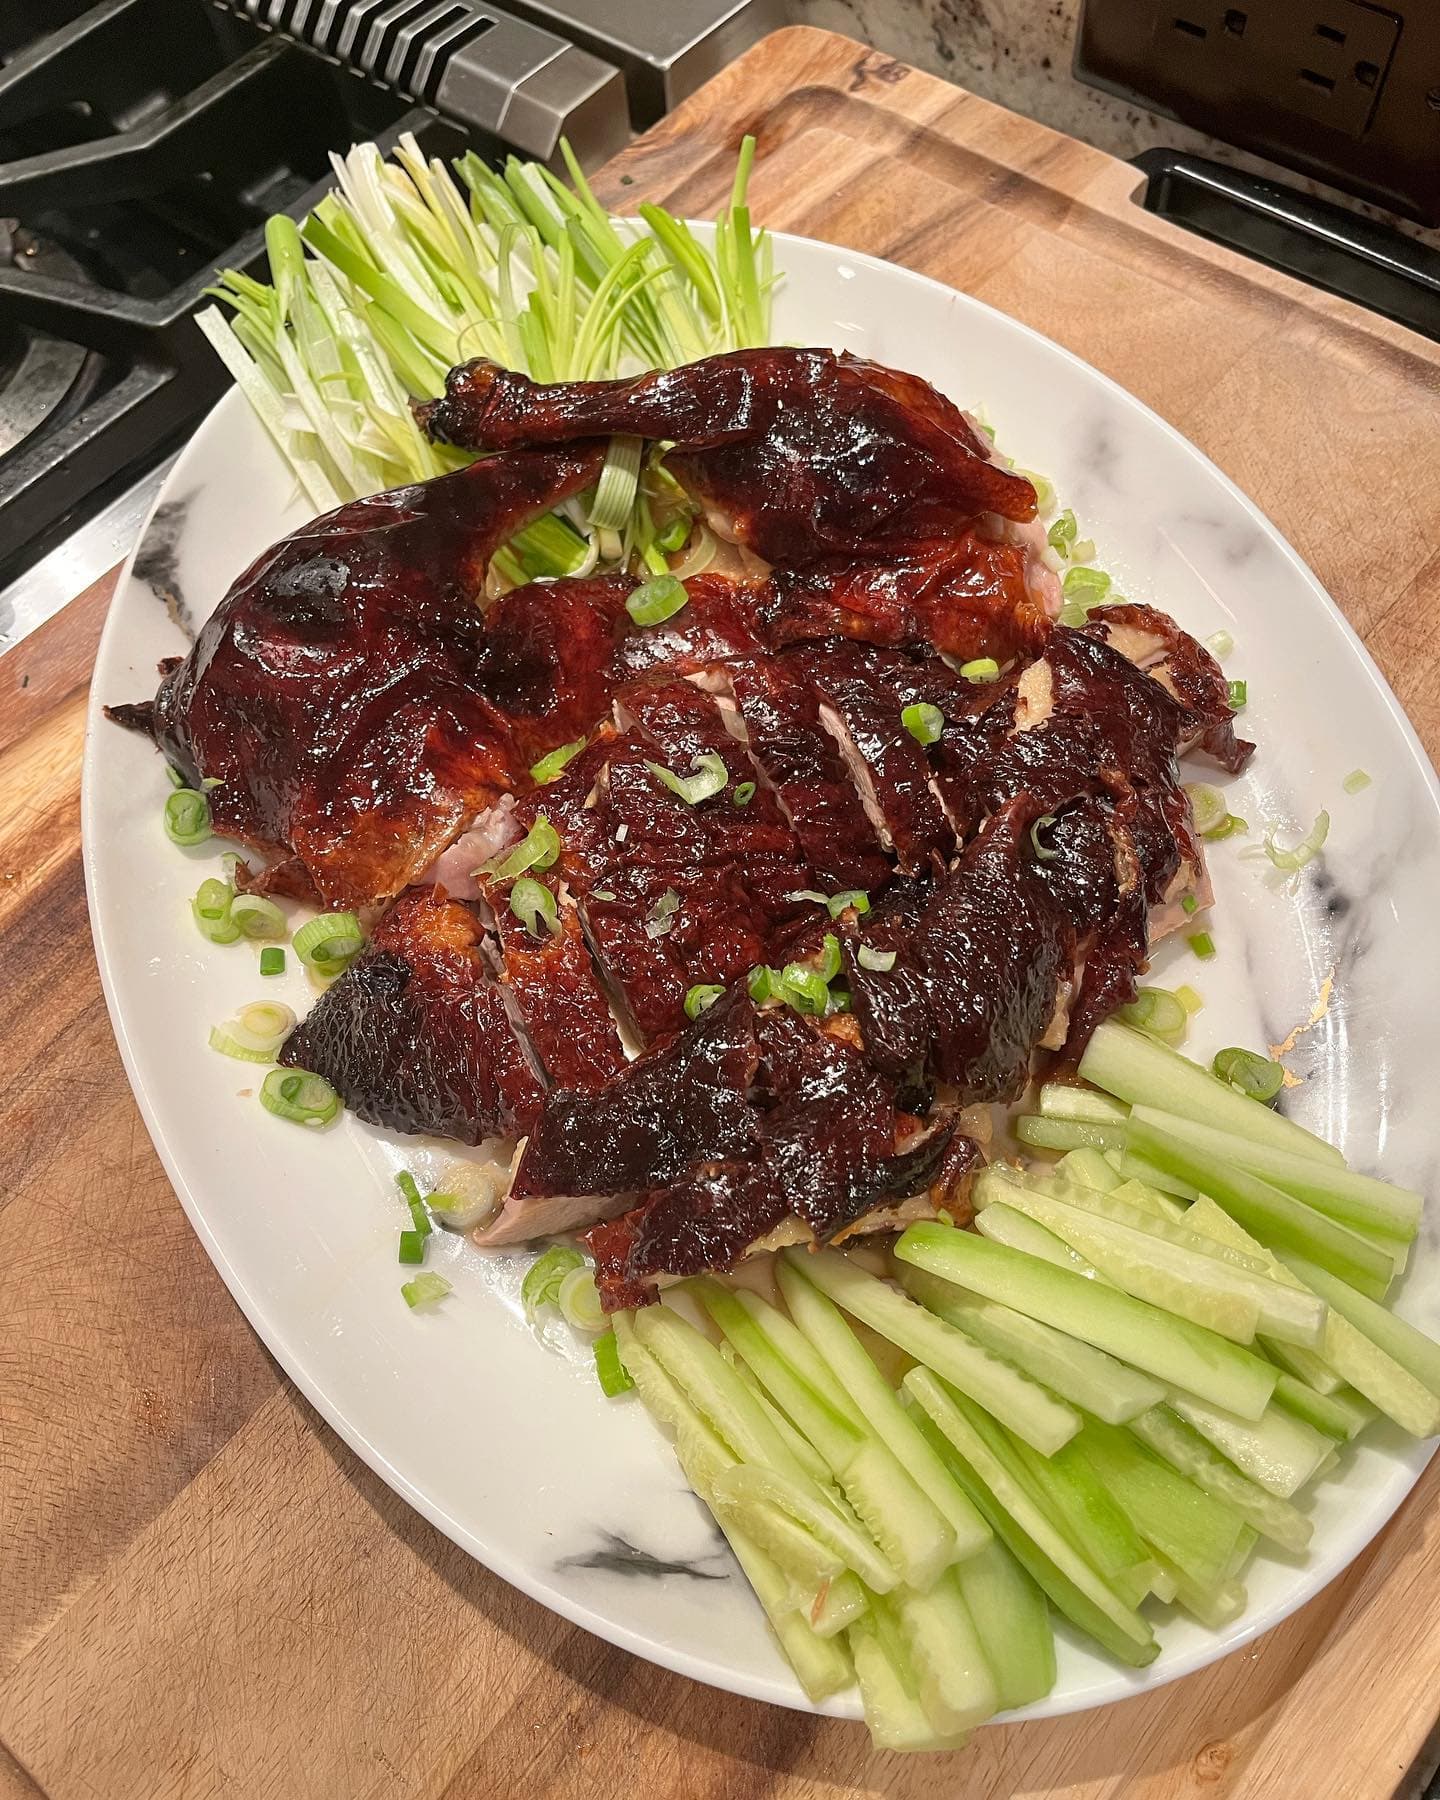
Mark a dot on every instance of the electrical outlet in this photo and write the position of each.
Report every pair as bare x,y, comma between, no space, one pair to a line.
1326,60
1342,89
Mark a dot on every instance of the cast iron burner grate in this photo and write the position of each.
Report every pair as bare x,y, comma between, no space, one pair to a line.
143,143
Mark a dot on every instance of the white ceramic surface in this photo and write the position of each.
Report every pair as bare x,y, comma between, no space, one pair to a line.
500,1436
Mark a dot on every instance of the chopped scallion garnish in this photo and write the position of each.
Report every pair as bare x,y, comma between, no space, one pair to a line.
425,1289
255,1034
981,669
613,1376
1202,944
538,849
829,958
541,1286
806,990
661,917
1305,851
851,899
701,997
412,1246
879,962
1356,782
552,764
329,943
299,1096
1220,644
272,961
1251,1073
1189,998
1063,532
1238,693
579,1301
924,722
210,909
673,536
534,906
1085,587
710,777
763,984
187,817
257,917
743,794
1043,852
1189,904
1157,1011
419,1213
657,600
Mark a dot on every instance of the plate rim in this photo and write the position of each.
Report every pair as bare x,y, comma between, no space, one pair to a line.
272,1330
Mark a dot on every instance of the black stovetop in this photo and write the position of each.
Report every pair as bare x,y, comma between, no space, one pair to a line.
142,145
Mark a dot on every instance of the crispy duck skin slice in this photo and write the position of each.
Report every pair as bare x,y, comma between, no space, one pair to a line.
802,761
415,1035
966,595
977,973
553,991
683,1102
544,659
867,691
722,619
832,1149
801,454
332,692
1184,667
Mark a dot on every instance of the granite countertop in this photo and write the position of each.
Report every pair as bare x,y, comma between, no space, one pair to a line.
1019,53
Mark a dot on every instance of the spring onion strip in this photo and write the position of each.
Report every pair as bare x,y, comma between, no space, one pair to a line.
1292,860
709,778
619,481
552,765
1043,852
1063,532
272,961
298,1095
981,669
1356,782
701,997
1202,944
412,1246
743,794
1084,587
610,1371
534,906
538,849
187,817
851,899
877,961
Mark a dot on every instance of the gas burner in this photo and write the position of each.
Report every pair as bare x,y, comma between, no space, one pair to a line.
38,373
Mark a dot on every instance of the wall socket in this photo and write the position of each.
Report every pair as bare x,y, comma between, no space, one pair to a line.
1340,89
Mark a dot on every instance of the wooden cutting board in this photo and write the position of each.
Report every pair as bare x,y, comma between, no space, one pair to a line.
201,1590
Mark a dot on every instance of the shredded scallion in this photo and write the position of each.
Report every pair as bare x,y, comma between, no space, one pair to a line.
538,849
709,778
552,765
661,916
534,906
610,1371
1309,847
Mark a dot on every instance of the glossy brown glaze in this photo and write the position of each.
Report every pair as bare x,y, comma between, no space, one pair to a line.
416,1035
333,692
803,453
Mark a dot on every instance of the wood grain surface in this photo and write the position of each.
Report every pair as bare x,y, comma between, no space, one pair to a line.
202,1592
